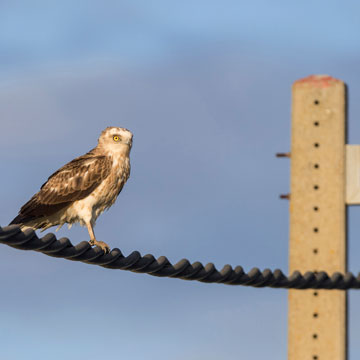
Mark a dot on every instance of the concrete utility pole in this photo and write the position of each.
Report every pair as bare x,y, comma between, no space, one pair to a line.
318,318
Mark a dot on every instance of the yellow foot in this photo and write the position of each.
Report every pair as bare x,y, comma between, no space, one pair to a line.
101,244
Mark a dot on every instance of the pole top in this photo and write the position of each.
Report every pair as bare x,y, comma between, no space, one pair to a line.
320,81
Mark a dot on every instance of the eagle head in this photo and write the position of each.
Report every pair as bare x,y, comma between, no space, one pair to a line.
115,140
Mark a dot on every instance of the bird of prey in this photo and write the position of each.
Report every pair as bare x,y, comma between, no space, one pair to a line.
82,189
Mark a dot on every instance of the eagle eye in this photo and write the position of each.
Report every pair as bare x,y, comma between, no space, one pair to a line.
116,138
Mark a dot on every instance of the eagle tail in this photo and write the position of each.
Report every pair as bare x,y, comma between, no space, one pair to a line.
21,220
31,222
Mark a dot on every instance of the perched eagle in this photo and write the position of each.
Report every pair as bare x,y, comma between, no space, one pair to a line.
82,189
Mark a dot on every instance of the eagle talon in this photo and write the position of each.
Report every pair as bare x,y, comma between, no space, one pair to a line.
105,247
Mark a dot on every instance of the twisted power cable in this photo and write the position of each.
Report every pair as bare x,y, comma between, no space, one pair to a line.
62,248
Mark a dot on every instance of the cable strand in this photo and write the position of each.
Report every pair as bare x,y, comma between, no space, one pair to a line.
62,248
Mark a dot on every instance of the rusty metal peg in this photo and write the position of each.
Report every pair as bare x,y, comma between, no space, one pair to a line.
285,196
283,155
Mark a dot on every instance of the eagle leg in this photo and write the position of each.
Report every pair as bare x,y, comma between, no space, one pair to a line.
93,242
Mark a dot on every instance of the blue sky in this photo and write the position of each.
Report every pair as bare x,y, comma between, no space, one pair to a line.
205,88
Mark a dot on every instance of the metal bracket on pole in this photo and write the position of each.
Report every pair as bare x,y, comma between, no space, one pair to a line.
317,318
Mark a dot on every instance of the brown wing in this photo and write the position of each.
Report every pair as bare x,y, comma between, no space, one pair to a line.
72,182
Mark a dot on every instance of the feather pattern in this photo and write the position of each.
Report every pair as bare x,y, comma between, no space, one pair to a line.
74,181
